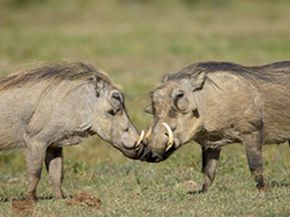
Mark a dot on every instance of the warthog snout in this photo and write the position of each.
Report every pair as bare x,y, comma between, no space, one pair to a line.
156,154
133,149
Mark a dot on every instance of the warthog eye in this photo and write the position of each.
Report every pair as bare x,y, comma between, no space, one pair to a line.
116,102
195,113
97,94
113,112
180,101
117,98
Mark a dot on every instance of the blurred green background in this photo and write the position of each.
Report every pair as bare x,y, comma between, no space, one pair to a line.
136,42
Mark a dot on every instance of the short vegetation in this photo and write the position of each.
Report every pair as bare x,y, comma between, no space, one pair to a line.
136,42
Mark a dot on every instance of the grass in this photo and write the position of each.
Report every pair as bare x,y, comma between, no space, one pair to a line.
137,42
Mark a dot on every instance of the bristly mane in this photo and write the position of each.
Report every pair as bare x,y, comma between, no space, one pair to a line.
270,72
76,70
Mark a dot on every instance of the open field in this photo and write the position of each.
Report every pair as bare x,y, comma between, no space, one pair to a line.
136,42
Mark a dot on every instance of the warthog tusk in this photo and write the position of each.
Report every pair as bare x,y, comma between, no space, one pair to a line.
170,136
148,133
140,139
168,147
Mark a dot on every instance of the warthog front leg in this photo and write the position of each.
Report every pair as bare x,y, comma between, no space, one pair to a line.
54,166
210,159
34,158
253,146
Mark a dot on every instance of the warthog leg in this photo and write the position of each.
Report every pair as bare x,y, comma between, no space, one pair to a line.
34,158
210,159
54,167
253,146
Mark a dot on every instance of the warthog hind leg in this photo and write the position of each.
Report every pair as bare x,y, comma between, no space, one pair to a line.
253,146
54,166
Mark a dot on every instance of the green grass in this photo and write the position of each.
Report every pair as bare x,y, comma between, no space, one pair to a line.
137,42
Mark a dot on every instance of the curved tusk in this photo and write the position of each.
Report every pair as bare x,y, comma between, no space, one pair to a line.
170,136
141,137
148,133
168,147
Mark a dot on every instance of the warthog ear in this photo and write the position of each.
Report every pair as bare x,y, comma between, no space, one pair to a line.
197,80
149,110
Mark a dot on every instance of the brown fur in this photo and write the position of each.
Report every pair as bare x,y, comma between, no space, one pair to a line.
219,103
57,71
263,72
51,106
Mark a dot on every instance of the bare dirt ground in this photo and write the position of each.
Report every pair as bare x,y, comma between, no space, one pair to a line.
83,198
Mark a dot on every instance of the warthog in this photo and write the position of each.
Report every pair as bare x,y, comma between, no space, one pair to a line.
218,103
55,105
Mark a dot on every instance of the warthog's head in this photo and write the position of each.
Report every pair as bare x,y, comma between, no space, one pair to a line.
176,117
112,122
